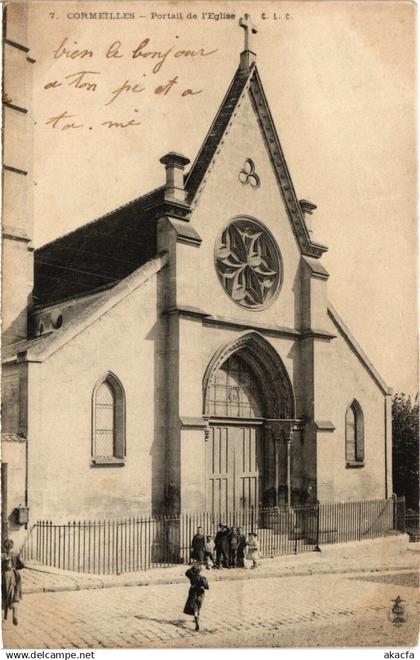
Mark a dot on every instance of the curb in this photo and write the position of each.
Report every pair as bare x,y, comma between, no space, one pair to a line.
218,578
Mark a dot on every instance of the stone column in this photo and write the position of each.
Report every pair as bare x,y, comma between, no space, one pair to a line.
276,439
315,351
288,437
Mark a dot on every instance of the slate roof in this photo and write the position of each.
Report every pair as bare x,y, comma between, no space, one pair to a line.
101,253
97,254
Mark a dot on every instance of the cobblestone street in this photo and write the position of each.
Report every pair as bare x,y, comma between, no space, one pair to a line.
317,610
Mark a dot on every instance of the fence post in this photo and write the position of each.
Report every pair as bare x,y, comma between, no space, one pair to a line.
403,514
294,519
399,514
316,547
117,571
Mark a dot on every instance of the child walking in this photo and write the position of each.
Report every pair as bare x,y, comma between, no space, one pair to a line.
196,593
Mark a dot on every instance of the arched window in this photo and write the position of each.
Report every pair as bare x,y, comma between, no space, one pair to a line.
355,445
233,391
108,421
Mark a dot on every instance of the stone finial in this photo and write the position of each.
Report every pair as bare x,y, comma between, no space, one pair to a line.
307,208
174,186
248,54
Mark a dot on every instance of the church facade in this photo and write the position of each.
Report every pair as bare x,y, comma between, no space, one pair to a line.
180,353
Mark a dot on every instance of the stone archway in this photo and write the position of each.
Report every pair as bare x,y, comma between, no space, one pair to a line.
250,406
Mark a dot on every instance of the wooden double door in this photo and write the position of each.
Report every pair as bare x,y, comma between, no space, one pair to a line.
234,466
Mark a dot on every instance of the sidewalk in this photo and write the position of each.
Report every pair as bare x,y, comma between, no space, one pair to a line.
383,554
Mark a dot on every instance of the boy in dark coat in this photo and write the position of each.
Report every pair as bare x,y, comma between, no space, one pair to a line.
196,593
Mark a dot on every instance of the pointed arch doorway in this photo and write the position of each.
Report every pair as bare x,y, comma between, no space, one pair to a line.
247,393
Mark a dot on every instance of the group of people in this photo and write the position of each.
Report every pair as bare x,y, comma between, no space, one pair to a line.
228,549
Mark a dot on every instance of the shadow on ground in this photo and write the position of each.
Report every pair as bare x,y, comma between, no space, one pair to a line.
178,623
400,579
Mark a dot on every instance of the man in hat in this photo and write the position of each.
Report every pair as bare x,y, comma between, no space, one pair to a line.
241,549
233,547
221,543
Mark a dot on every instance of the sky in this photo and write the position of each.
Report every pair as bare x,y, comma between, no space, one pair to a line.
340,81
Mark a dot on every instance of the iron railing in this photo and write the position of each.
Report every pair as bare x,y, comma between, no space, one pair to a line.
135,544
412,524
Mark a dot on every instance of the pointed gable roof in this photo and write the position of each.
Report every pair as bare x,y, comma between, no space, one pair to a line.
220,125
249,81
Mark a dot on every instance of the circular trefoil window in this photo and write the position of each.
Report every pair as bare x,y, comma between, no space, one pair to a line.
248,263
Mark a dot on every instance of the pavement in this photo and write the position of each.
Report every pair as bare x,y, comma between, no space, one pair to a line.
375,555
341,597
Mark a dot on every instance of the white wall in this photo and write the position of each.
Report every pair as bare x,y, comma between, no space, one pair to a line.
128,341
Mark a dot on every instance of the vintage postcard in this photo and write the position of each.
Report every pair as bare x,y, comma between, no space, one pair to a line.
209,325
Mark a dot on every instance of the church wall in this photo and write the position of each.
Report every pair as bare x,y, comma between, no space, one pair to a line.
127,341
339,378
225,197
193,470
13,457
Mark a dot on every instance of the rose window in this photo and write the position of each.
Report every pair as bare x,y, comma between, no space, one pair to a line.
248,263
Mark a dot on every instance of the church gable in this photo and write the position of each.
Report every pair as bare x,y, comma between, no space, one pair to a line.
246,88
241,213
242,181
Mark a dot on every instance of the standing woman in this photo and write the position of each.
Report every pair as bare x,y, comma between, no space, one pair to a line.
197,546
11,583
196,593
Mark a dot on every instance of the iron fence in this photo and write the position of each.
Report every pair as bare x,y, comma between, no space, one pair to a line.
134,544
412,524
